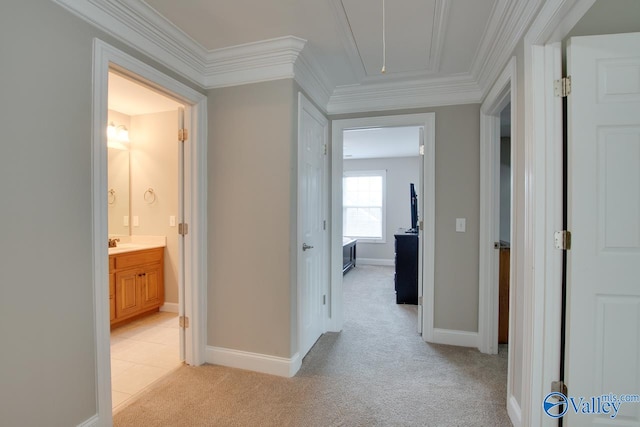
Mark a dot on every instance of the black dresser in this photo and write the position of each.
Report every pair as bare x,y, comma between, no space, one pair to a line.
406,277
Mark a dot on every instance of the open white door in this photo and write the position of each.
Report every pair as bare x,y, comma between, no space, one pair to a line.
182,231
603,270
421,192
312,215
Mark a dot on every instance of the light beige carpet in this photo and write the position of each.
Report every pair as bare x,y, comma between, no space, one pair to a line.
376,372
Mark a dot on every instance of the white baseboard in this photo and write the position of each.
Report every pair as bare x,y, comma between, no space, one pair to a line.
375,261
513,410
94,421
453,337
170,307
280,366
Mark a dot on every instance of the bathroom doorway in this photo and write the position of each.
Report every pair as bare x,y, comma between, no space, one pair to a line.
191,218
144,176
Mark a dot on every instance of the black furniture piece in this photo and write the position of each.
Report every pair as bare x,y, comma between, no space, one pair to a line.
406,277
348,254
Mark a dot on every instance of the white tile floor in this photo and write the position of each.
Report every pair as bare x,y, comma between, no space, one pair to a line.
142,352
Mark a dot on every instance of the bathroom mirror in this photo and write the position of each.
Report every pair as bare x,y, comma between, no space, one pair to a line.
118,191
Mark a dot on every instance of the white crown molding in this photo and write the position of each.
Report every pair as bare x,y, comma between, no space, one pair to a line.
252,62
505,35
404,95
143,28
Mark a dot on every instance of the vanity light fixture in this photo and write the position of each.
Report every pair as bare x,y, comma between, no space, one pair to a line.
118,133
117,136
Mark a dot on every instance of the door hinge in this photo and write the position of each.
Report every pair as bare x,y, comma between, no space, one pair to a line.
183,321
325,149
183,229
324,224
421,225
183,134
422,150
419,300
559,387
324,300
562,87
563,239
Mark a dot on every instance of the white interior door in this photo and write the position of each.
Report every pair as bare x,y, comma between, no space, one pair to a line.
312,215
603,300
181,241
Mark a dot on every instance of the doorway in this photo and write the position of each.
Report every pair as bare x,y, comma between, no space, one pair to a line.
426,198
144,193
193,307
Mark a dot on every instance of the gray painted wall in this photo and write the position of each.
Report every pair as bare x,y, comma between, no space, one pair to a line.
252,175
47,362
457,196
400,172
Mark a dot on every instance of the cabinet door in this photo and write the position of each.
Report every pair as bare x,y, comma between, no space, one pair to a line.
127,293
112,293
152,286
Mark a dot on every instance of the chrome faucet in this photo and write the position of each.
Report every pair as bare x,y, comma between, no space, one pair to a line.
113,242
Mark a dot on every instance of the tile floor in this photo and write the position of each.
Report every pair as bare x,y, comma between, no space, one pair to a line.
142,352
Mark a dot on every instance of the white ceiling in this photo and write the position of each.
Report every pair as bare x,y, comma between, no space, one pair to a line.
385,142
133,99
424,38
438,52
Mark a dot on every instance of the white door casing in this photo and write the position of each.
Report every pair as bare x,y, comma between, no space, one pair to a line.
313,271
106,57
603,271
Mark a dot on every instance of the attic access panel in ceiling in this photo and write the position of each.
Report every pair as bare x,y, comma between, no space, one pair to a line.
410,27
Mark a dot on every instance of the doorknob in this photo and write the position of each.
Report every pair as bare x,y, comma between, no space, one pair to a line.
305,247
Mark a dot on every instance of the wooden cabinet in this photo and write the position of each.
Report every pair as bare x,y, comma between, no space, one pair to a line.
138,279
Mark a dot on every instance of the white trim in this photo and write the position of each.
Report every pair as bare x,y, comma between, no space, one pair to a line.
454,337
502,93
375,261
273,365
104,58
142,27
94,421
427,120
542,269
405,94
170,307
513,410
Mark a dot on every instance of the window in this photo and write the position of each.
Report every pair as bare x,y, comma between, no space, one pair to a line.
363,205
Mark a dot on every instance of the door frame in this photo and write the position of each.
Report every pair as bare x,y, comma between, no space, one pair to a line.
502,93
305,105
427,193
106,57
543,204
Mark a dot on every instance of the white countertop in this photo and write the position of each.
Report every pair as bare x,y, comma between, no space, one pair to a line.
138,243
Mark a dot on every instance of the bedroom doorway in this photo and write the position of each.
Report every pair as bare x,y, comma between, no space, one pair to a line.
361,189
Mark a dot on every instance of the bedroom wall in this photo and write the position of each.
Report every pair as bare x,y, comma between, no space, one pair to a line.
400,172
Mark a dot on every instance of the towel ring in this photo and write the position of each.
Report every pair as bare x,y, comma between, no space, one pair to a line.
149,196
111,197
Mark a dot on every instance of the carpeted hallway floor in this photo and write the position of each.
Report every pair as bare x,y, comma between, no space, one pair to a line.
376,372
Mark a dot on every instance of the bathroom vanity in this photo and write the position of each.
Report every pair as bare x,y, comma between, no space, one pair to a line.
136,282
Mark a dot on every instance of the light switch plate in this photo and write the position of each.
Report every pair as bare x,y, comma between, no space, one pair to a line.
136,221
125,220
461,225
172,221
